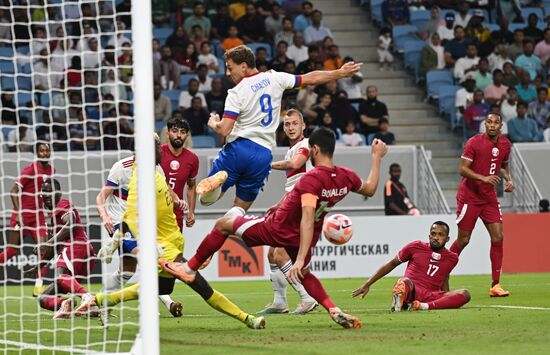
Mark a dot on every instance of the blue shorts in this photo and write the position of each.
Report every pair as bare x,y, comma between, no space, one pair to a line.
129,242
247,163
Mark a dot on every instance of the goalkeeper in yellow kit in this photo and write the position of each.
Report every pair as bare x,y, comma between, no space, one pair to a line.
170,244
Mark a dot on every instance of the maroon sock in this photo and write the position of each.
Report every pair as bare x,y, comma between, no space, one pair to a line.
496,254
213,241
7,254
453,301
50,302
43,270
455,248
68,284
315,289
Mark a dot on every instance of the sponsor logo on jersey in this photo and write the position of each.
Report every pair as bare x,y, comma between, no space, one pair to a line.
435,257
495,152
174,165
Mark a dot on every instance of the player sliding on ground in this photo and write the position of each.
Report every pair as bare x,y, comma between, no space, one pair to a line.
296,225
170,244
424,284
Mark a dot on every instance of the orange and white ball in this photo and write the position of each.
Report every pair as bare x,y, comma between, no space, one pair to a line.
338,229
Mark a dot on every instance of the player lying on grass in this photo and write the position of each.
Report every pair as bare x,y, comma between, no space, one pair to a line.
424,284
296,225
170,244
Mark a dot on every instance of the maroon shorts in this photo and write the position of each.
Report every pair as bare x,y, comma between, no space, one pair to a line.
256,231
33,226
467,215
78,259
423,295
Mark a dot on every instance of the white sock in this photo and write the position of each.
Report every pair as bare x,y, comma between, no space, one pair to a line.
209,198
167,300
304,296
116,280
38,282
188,269
235,211
424,306
279,285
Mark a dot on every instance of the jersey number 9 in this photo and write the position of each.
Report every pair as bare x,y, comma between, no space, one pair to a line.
266,107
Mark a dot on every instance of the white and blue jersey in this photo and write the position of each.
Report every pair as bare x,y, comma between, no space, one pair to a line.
255,105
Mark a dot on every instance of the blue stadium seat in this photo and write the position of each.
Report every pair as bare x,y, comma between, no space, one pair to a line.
7,67
485,14
174,96
162,34
402,34
411,53
221,66
24,82
6,130
370,138
526,11
45,99
255,46
7,82
491,26
184,80
446,100
419,18
6,53
159,125
203,142
516,26
437,78
376,12
23,98
23,50
216,49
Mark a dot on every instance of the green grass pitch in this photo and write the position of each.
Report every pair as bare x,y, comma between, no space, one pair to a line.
519,324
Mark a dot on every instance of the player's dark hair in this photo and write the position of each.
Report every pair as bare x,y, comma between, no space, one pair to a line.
54,182
240,54
325,139
496,115
394,165
38,144
178,122
441,223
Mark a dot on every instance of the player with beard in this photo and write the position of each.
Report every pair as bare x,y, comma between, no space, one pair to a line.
428,267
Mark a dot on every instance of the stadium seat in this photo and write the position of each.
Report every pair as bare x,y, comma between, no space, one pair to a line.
23,98
447,95
402,34
7,82
492,26
419,18
6,130
159,125
204,142
7,67
411,53
221,66
184,80
255,46
370,138
376,12
516,26
526,11
485,14
45,99
174,96
6,53
23,50
24,82
217,49
162,34
435,79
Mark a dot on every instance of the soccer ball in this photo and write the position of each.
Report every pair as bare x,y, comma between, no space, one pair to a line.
338,229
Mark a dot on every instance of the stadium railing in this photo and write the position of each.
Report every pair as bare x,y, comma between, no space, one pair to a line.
430,198
527,195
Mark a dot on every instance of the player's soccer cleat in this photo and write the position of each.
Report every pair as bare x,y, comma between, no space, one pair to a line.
497,291
177,270
211,183
415,306
37,291
272,309
88,307
65,310
306,307
255,322
345,320
398,296
176,309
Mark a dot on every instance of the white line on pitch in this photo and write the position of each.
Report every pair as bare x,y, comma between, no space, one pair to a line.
513,307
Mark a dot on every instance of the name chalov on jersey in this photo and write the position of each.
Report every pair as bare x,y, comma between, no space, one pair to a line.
255,102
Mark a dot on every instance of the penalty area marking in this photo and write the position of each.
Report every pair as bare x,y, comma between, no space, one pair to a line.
68,349
514,307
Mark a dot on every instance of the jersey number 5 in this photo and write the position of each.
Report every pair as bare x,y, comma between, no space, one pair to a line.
172,182
266,107
432,269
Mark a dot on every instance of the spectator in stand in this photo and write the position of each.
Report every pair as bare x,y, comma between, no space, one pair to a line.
286,33
371,111
160,11
198,18
503,34
232,40
205,82
342,110
479,34
463,17
528,61
309,65
38,41
75,102
215,98
178,40
352,85
395,12
303,20
509,9
114,86
509,77
515,49
475,113
261,57
508,107
117,133
467,64
118,38
188,59
495,93
92,57
265,7
207,58
237,9
298,52
166,71
432,26
447,32
251,26
8,108
455,48
316,33
432,56
385,58
334,60
125,62
495,109
280,59
74,73
196,36
324,101
274,22
465,96
396,198
546,132
383,132
192,91
197,117
531,31
91,92
539,109
542,50
327,121
292,7
84,133
498,57
46,75
306,100
125,7
21,139
51,132
221,23
483,77
5,28
351,138
523,129
163,106
323,50
526,91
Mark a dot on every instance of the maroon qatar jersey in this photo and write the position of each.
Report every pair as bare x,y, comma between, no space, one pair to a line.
426,268
177,170
30,181
330,185
487,158
78,235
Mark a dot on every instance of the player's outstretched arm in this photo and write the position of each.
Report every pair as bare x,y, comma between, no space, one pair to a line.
100,199
467,172
318,77
380,273
505,171
378,150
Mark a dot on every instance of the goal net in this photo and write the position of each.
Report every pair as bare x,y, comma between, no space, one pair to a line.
67,79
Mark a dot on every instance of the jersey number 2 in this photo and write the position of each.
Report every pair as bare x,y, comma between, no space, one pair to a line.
266,107
493,168
432,269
